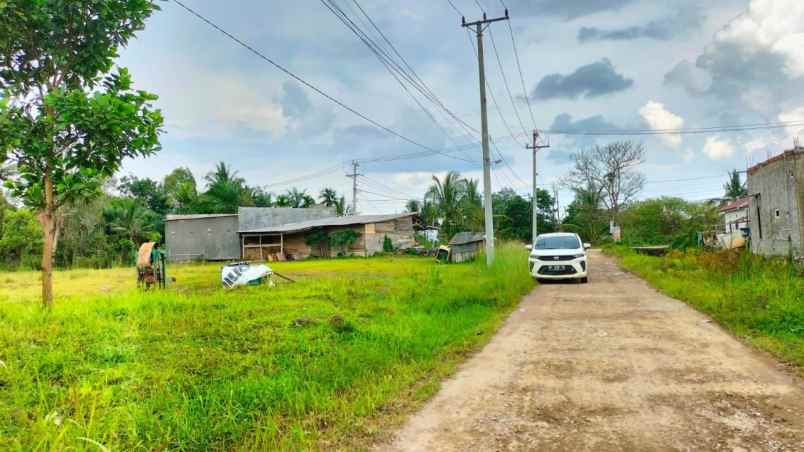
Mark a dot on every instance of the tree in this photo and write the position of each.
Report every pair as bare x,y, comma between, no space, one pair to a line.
21,243
734,188
66,121
512,215
147,192
328,197
607,172
413,206
261,197
340,207
445,195
299,198
180,189
667,221
130,223
472,206
585,216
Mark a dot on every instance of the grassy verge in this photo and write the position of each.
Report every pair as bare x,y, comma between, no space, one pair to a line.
758,299
323,363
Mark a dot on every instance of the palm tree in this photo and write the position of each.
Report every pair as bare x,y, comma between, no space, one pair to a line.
223,174
413,206
734,187
282,201
299,198
131,223
328,197
446,196
340,207
472,206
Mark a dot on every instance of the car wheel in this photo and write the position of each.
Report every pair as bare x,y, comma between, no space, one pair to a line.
584,280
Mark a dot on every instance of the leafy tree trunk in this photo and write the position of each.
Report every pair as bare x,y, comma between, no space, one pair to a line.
48,220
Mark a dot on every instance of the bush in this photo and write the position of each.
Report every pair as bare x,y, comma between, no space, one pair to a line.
387,245
666,221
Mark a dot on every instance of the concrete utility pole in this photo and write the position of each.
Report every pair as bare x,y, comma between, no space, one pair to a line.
354,175
535,147
557,214
478,27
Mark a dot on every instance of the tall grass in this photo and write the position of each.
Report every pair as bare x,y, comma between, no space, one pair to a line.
759,299
328,362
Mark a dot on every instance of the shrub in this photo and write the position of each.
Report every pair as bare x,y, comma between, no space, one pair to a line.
387,245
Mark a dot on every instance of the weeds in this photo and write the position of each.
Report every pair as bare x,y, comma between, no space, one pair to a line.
760,299
323,363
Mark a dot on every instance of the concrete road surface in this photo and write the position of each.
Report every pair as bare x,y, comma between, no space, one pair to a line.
611,365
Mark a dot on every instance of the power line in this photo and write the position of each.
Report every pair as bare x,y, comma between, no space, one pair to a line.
314,175
684,180
301,80
505,81
688,131
519,68
386,187
429,94
386,60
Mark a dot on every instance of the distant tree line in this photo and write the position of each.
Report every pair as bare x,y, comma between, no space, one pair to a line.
106,230
454,204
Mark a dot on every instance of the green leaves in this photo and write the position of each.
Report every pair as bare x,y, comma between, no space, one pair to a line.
69,43
91,134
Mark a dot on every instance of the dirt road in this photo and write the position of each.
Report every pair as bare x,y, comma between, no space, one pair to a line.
611,365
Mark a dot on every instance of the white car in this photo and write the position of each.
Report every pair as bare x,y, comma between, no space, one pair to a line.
561,255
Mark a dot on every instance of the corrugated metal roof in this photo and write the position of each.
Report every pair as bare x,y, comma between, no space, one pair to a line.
172,217
462,238
257,218
737,204
329,222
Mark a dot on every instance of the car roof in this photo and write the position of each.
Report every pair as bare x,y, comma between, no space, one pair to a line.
558,234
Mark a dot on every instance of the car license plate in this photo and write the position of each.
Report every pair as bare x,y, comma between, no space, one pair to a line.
556,268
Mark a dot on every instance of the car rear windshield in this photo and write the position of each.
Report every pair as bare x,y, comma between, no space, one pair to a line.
558,243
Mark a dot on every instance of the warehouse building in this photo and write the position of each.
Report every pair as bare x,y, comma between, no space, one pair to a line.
261,233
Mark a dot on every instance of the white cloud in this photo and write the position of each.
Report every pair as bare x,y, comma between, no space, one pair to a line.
658,117
717,149
770,25
796,115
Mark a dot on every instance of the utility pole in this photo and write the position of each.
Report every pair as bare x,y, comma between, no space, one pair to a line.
354,175
478,27
535,147
557,213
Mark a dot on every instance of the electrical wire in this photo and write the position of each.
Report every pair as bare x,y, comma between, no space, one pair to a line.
303,81
688,131
505,82
519,68
385,59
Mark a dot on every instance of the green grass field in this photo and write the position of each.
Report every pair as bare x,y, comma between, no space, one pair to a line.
758,299
330,362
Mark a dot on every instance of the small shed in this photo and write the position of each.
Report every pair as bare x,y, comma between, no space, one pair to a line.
465,246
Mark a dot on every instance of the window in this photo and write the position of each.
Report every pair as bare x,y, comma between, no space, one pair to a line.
565,242
777,213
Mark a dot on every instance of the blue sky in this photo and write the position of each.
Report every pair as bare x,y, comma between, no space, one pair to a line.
587,64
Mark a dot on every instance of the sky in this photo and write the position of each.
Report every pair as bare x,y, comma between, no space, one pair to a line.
586,65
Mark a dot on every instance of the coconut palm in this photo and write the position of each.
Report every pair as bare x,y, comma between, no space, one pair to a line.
447,195
413,206
223,174
299,198
734,188
472,206
328,197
